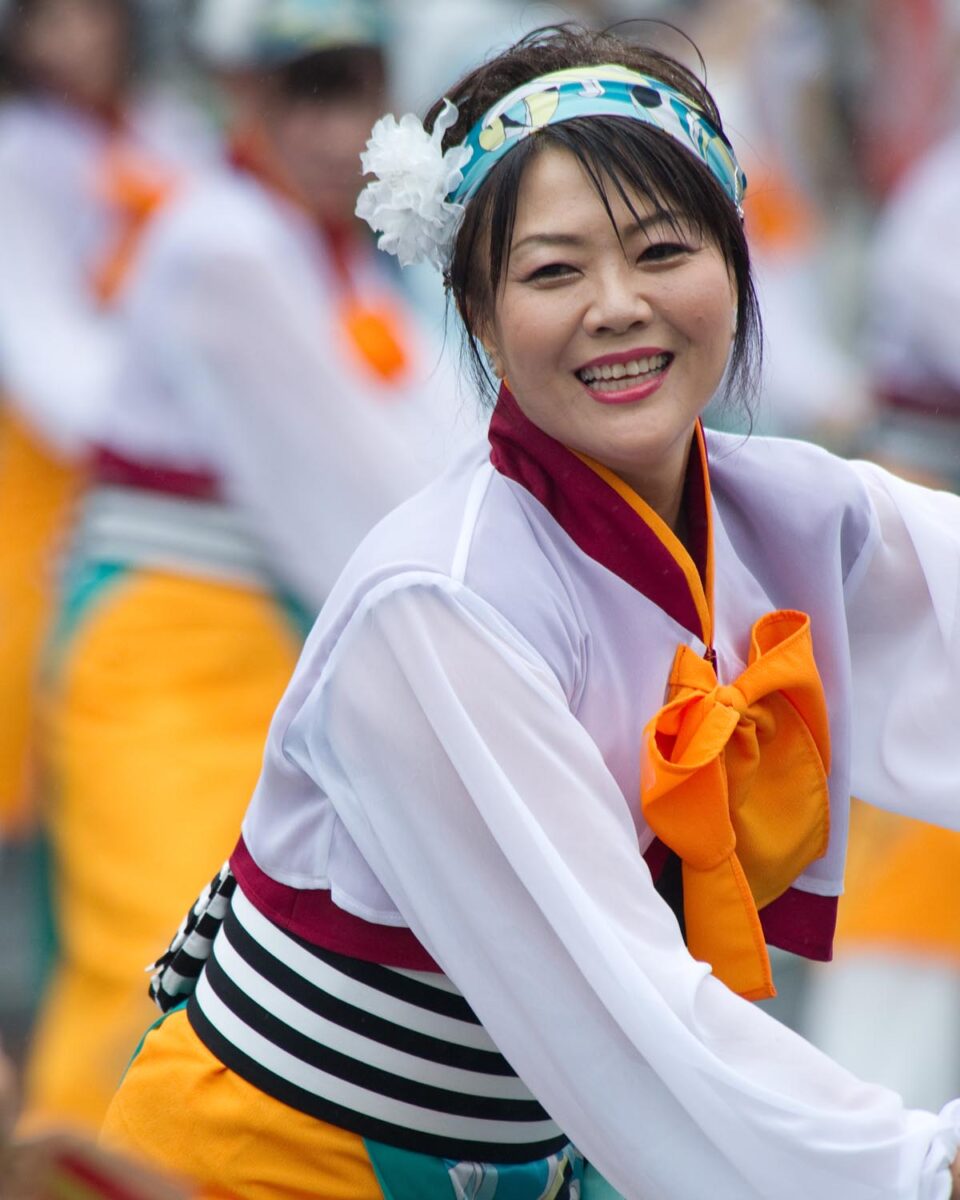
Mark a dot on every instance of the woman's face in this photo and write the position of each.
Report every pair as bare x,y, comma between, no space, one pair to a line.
614,350
319,145
78,49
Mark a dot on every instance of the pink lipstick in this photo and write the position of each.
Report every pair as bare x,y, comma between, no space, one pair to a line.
641,372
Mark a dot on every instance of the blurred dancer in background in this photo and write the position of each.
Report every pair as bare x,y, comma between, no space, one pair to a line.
890,1006
87,146
275,399
771,66
78,171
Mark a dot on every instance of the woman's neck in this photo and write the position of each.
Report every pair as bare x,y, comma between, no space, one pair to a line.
663,491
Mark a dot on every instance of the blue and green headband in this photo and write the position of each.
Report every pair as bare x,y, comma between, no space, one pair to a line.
416,200
607,90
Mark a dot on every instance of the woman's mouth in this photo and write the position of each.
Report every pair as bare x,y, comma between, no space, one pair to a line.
625,381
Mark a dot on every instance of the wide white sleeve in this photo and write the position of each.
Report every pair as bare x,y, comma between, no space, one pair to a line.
903,612
312,450
59,352
448,750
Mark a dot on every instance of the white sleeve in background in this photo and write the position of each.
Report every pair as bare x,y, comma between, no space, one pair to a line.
903,611
913,288
482,805
59,354
312,450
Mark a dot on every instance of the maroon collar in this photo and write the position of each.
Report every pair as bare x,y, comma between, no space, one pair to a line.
601,521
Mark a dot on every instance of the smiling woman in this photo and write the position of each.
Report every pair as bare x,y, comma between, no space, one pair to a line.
614,330
574,736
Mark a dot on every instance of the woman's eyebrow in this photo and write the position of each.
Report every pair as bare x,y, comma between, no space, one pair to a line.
642,224
548,239
576,239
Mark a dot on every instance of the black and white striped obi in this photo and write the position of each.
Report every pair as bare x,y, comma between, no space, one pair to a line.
389,1053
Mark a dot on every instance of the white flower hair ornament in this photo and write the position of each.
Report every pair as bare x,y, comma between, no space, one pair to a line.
407,202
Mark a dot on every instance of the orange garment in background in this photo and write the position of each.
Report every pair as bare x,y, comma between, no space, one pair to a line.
37,491
899,891
134,189
154,720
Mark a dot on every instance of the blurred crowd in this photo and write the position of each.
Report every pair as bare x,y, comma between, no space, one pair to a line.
211,387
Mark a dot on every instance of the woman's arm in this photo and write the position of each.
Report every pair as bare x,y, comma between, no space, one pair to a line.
450,754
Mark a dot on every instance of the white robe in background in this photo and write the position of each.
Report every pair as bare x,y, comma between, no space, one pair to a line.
59,350
235,363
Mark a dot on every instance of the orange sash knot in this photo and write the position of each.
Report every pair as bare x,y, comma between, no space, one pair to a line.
135,188
734,781
376,335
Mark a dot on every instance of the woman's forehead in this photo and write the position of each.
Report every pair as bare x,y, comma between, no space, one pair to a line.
557,194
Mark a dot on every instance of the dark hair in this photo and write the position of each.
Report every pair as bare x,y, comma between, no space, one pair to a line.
619,151
339,73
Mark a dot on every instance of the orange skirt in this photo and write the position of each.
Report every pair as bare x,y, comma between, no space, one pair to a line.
155,721
37,491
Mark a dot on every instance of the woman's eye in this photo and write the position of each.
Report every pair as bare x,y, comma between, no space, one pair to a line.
549,271
659,251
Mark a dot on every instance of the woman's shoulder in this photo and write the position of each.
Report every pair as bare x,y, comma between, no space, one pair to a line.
789,492
469,525
47,146
469,536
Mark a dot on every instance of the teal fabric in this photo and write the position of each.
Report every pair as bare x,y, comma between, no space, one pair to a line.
595,1187
406,1175
149,1029
84,584
47,944
299,616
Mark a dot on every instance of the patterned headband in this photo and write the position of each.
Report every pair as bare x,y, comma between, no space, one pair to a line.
417,200
607,91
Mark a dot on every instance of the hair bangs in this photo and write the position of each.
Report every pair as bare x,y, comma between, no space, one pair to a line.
642,162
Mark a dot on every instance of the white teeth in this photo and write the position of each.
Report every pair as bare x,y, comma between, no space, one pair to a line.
611,372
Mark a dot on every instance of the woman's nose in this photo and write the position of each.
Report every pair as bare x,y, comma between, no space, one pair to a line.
619,302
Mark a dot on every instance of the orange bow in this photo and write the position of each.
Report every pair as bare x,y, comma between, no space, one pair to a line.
734,781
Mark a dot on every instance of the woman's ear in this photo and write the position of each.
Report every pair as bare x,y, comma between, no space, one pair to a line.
494,361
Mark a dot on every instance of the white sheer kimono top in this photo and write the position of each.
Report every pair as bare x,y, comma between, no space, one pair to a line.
62,220
453,778
237,382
